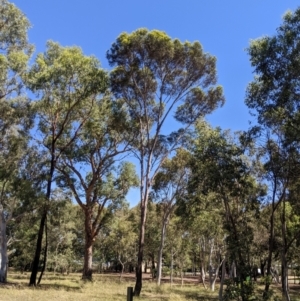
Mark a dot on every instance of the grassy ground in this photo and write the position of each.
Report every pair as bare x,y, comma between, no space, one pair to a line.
105,287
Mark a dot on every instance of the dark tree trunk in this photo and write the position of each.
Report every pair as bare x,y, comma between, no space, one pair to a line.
87,273
38,250
45,252
36,261
262,267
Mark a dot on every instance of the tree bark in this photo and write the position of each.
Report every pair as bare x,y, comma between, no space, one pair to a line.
38,250
202,276
139,272
222,280
3,246
212,279
36,260
160,251
45,253
284,265
87,273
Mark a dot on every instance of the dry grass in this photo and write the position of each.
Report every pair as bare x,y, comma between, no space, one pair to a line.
104,287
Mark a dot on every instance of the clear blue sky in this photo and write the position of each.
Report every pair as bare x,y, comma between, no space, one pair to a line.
224,28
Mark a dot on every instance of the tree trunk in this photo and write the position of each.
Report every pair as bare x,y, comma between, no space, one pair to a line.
45,253
212,279
139,272
284,279
122,270
172,265
262,267
3,246
233,270
202,276
160,251
36,260
269,260
38,250
222,280
284,265
87,272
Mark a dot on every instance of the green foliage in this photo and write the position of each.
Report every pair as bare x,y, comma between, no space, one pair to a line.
234,290
274,91
167,68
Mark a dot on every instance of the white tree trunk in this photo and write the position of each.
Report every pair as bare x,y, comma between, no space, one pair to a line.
214,278
233,270
3,247
202,276
160,252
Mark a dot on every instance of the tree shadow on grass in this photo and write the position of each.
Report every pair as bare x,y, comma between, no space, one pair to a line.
55,286
199,296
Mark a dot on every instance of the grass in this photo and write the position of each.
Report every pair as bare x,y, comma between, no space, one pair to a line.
105,287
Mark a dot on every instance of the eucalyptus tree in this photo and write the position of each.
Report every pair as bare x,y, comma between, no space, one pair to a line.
221,166
88,171
170,184
274,94
157,77
67,84
15,120
88,168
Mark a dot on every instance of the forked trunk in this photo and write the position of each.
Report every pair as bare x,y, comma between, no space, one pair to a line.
213,278
3,247
38,250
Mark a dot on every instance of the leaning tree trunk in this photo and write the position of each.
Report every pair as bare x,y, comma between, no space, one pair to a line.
3,247
38,250
212,279
45,253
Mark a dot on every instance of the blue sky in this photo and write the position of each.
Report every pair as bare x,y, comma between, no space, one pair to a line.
224,28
